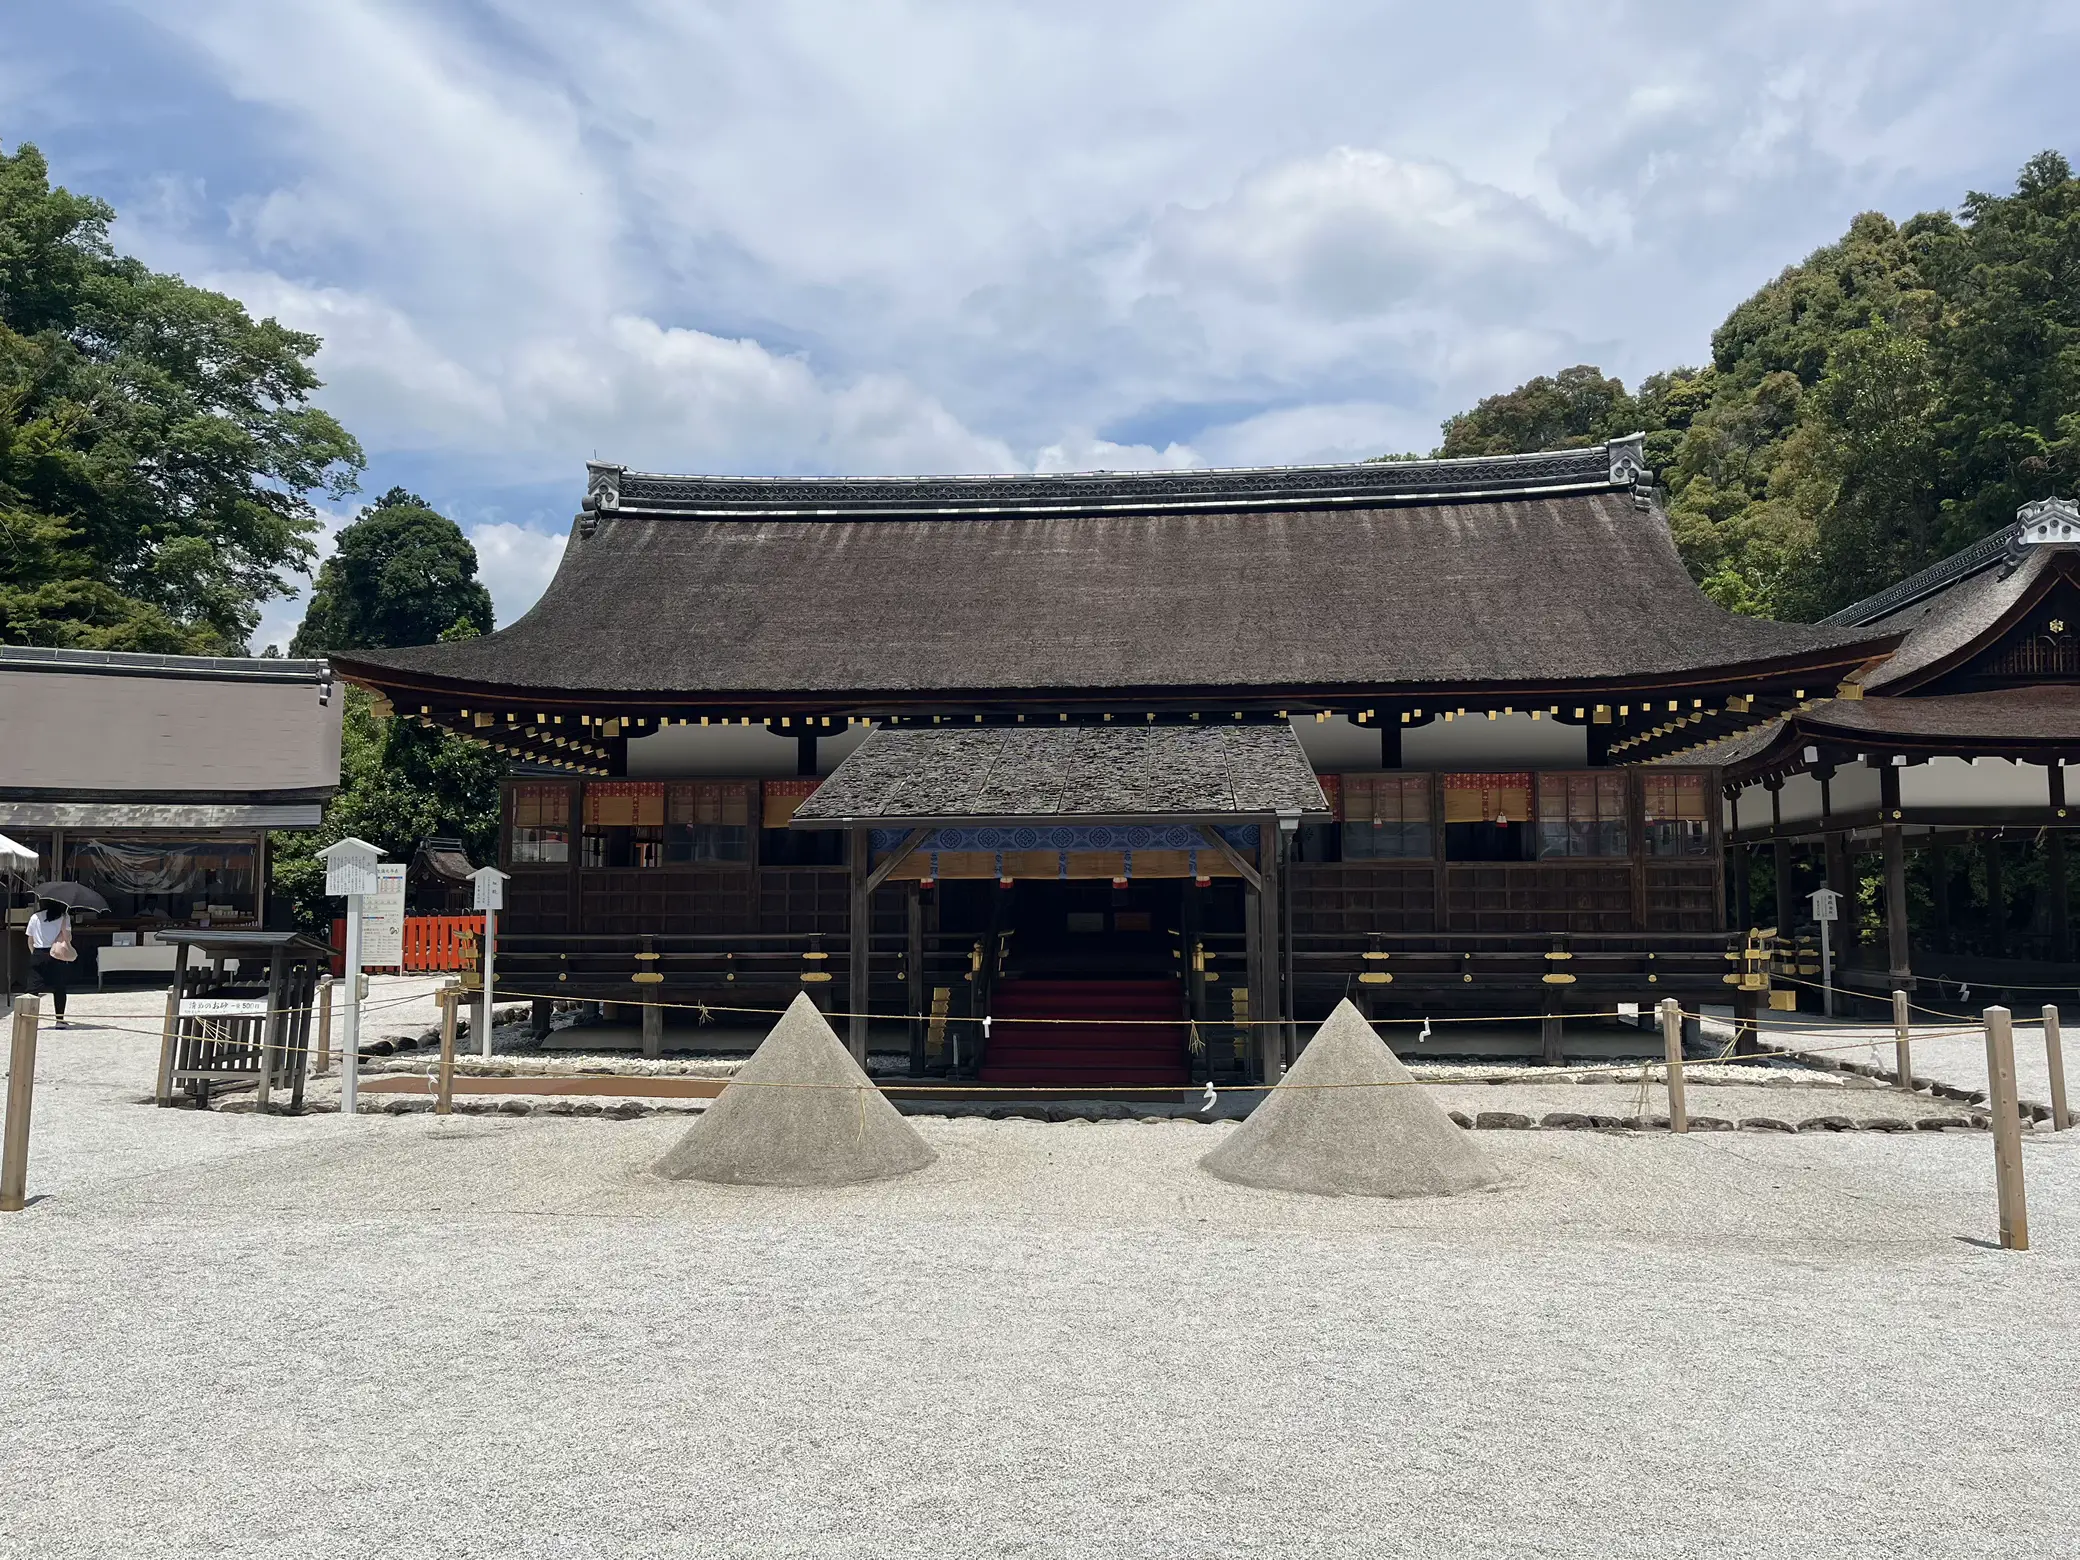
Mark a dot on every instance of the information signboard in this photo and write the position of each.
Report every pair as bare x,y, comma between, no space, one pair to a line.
382,921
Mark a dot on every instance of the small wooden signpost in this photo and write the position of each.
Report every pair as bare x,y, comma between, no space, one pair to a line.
490,885
1902,1042
1827,909
350,873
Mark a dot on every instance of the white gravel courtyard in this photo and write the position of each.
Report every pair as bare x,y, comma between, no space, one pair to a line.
235,1335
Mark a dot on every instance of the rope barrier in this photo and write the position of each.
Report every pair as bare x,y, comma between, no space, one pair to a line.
1110,1023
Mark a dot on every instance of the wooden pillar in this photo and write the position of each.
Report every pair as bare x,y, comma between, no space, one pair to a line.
1271,1008
1253,964
1996,894
653,1025
1745,1010
449,1000
1552,1040
916,984
1390,742
2002,1105
1743,911
2055,883
2056,886
1840,880
1786,914
861,925
1898,959
1188,921
21,1089
805,754
272,1026
1939,891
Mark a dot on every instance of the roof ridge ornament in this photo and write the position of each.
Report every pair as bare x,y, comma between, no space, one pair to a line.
603,486
2046,520
1628,460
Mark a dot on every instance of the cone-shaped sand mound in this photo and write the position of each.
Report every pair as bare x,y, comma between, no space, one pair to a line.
1367,1142
767,1130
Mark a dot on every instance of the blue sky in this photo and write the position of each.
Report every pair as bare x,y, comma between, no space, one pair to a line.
948,235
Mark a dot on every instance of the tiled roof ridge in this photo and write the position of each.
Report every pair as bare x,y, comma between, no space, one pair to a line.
614,489
1960,565
151,663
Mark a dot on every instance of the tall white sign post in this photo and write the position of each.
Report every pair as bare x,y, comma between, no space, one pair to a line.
491,898
1827,908
350,873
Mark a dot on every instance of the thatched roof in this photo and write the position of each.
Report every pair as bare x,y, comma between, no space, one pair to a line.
1538,571
1070,774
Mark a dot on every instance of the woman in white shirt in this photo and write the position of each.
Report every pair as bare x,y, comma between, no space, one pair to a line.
46,972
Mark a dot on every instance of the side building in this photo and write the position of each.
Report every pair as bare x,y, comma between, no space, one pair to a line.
1947,762
1209,749
154,780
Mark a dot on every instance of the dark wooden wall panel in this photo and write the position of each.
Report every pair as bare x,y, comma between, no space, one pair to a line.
1683,897
1507,897
1352,898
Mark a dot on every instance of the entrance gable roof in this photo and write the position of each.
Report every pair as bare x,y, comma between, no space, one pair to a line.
1066,774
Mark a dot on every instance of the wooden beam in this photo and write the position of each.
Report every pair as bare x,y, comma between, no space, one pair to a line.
896,857
1234,858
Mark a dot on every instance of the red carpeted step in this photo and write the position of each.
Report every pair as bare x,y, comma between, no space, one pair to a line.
1100,1032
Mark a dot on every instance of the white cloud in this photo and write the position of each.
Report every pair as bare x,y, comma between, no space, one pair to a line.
1084,451
515,563
1355,234
1356,430
807,235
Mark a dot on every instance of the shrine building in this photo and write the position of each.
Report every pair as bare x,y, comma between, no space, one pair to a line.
1207,750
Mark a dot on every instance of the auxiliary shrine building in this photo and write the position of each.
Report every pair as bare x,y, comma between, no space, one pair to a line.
1209,748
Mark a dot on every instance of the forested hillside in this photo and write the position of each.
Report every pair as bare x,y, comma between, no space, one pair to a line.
1886,401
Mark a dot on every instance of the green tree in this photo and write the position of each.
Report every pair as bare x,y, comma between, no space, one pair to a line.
400,782
158,448
1576,407
400,574
1888,400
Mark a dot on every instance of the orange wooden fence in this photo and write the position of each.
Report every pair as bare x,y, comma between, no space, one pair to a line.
431,942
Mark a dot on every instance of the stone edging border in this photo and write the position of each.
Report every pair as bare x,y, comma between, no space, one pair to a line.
1484,1121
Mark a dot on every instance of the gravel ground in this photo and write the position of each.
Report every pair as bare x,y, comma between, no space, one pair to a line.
233,1335
1941,1053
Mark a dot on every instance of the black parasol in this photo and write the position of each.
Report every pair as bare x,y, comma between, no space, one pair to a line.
73,896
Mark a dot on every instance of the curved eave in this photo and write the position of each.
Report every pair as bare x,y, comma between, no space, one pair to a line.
1816,666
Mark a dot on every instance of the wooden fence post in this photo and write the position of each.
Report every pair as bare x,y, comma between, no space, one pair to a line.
324,1000
1672,1040
444,1100
1902,1043
21,1085
2055,1064
2007,1129
162,1091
